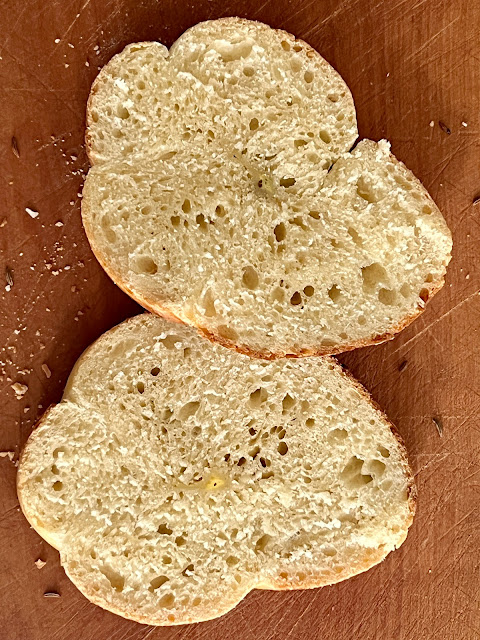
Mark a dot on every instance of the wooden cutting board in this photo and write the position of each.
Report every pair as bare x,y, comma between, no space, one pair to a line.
414,70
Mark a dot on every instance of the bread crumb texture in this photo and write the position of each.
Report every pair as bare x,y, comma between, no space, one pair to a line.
176,475
223,194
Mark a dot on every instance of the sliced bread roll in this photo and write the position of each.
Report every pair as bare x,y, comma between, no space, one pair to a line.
223,195
176,475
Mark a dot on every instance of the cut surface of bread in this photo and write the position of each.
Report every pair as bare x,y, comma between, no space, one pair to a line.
175,475
223,195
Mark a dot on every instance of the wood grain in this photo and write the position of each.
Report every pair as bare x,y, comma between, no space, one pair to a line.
409,63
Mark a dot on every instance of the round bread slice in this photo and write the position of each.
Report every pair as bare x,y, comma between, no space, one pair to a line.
175,475
223,195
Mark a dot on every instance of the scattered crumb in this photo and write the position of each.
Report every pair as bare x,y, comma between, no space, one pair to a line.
71,45
51,594
464,124
66,65
26,409
432,123
57,40
7,454
388,74
467,277
3,222
46,370
59,224
19,389
31,212
87,64
40,563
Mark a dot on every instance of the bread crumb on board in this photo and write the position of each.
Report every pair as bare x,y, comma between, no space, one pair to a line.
40,563
46,370
7,454
31,212
19,389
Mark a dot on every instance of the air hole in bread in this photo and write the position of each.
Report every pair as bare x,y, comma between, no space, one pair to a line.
55,470
241,461
308,76
429,277
314,214
253,124
285,45
200,220
122,112
57,486
310,422
334,293
280,232
140,386
325,136
250,278
196,602
189,569
287,182
387,296
300,143
298,221
352,474
355,236
329,551
186,206
248,71
424,295
297,47
296,299
282,448
377,467
145,264
337,435
188,410
58,452
155,371
258,397
164,529
427,210
157,582
220,210
116,580
175,220
180,541
167,559
372,276
167,601
309,291
281,434
287,403
262,543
